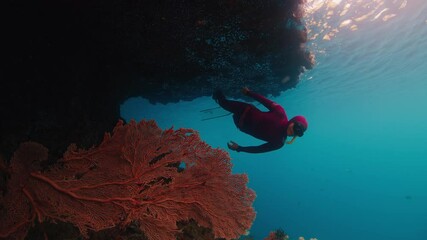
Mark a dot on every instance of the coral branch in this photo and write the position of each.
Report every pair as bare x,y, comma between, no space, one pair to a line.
73,195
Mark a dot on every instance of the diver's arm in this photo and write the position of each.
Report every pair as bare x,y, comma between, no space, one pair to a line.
266,147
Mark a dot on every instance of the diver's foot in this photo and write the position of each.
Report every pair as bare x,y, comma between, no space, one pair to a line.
218,95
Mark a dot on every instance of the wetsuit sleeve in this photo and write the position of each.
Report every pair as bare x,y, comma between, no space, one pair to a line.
263,100
266,147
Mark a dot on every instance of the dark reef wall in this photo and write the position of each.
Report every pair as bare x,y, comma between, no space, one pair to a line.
69,64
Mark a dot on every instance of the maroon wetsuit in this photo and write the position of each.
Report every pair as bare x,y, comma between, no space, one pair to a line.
268,126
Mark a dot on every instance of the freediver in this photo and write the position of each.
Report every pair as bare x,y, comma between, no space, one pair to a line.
272,126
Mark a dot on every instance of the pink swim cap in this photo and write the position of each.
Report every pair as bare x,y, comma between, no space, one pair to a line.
300,119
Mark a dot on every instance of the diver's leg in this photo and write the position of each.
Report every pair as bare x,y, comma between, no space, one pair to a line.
235,107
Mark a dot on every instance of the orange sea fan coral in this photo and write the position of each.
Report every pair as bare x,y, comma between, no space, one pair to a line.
139,173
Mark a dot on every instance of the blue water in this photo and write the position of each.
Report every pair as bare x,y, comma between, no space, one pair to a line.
360,171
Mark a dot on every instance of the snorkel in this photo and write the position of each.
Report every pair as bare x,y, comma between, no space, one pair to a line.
292,141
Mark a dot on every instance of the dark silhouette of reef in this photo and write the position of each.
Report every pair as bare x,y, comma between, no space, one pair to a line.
69,64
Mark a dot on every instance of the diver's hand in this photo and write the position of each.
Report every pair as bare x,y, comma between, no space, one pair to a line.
233,146
245,90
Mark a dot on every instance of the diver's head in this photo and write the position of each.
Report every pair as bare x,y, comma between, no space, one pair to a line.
296,127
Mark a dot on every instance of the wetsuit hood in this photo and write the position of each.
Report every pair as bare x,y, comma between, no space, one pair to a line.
301,120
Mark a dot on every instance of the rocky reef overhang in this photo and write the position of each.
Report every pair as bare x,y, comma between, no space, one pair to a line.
70,64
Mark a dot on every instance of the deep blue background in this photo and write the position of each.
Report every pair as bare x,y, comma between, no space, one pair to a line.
360,171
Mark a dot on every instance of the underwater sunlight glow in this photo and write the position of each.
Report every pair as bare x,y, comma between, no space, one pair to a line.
326,18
